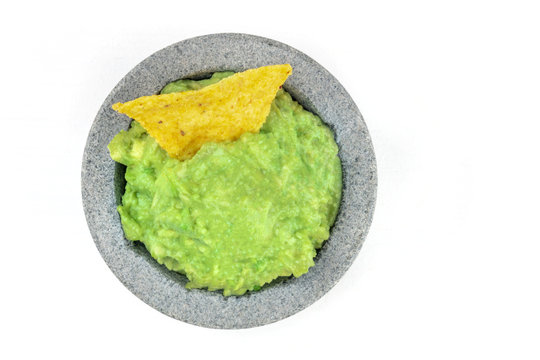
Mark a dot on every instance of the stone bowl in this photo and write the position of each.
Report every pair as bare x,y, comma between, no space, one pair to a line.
103,183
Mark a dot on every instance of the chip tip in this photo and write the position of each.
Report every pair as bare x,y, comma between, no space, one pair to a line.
288,68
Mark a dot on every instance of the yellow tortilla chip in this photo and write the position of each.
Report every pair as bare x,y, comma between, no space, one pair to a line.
182,122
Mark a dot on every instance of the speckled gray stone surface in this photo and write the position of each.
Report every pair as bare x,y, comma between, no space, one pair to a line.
318,91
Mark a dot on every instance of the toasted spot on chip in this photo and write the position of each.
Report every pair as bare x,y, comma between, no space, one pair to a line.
182,122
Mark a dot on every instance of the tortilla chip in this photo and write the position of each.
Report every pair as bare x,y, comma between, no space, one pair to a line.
182,122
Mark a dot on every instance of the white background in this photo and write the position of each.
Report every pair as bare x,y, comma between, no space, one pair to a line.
450,92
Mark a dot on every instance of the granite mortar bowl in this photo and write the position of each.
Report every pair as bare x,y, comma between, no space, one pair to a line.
103,184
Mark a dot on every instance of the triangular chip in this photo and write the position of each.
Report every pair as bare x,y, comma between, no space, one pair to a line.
182,122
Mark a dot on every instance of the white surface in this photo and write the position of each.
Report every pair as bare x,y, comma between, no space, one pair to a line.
450,92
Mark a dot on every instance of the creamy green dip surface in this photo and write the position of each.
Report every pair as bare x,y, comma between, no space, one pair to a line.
238,214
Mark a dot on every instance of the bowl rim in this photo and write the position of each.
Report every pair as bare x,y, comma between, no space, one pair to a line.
315,89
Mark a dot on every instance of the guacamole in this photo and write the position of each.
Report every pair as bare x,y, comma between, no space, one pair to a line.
238,214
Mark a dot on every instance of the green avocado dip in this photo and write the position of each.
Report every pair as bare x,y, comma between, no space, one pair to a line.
238,214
